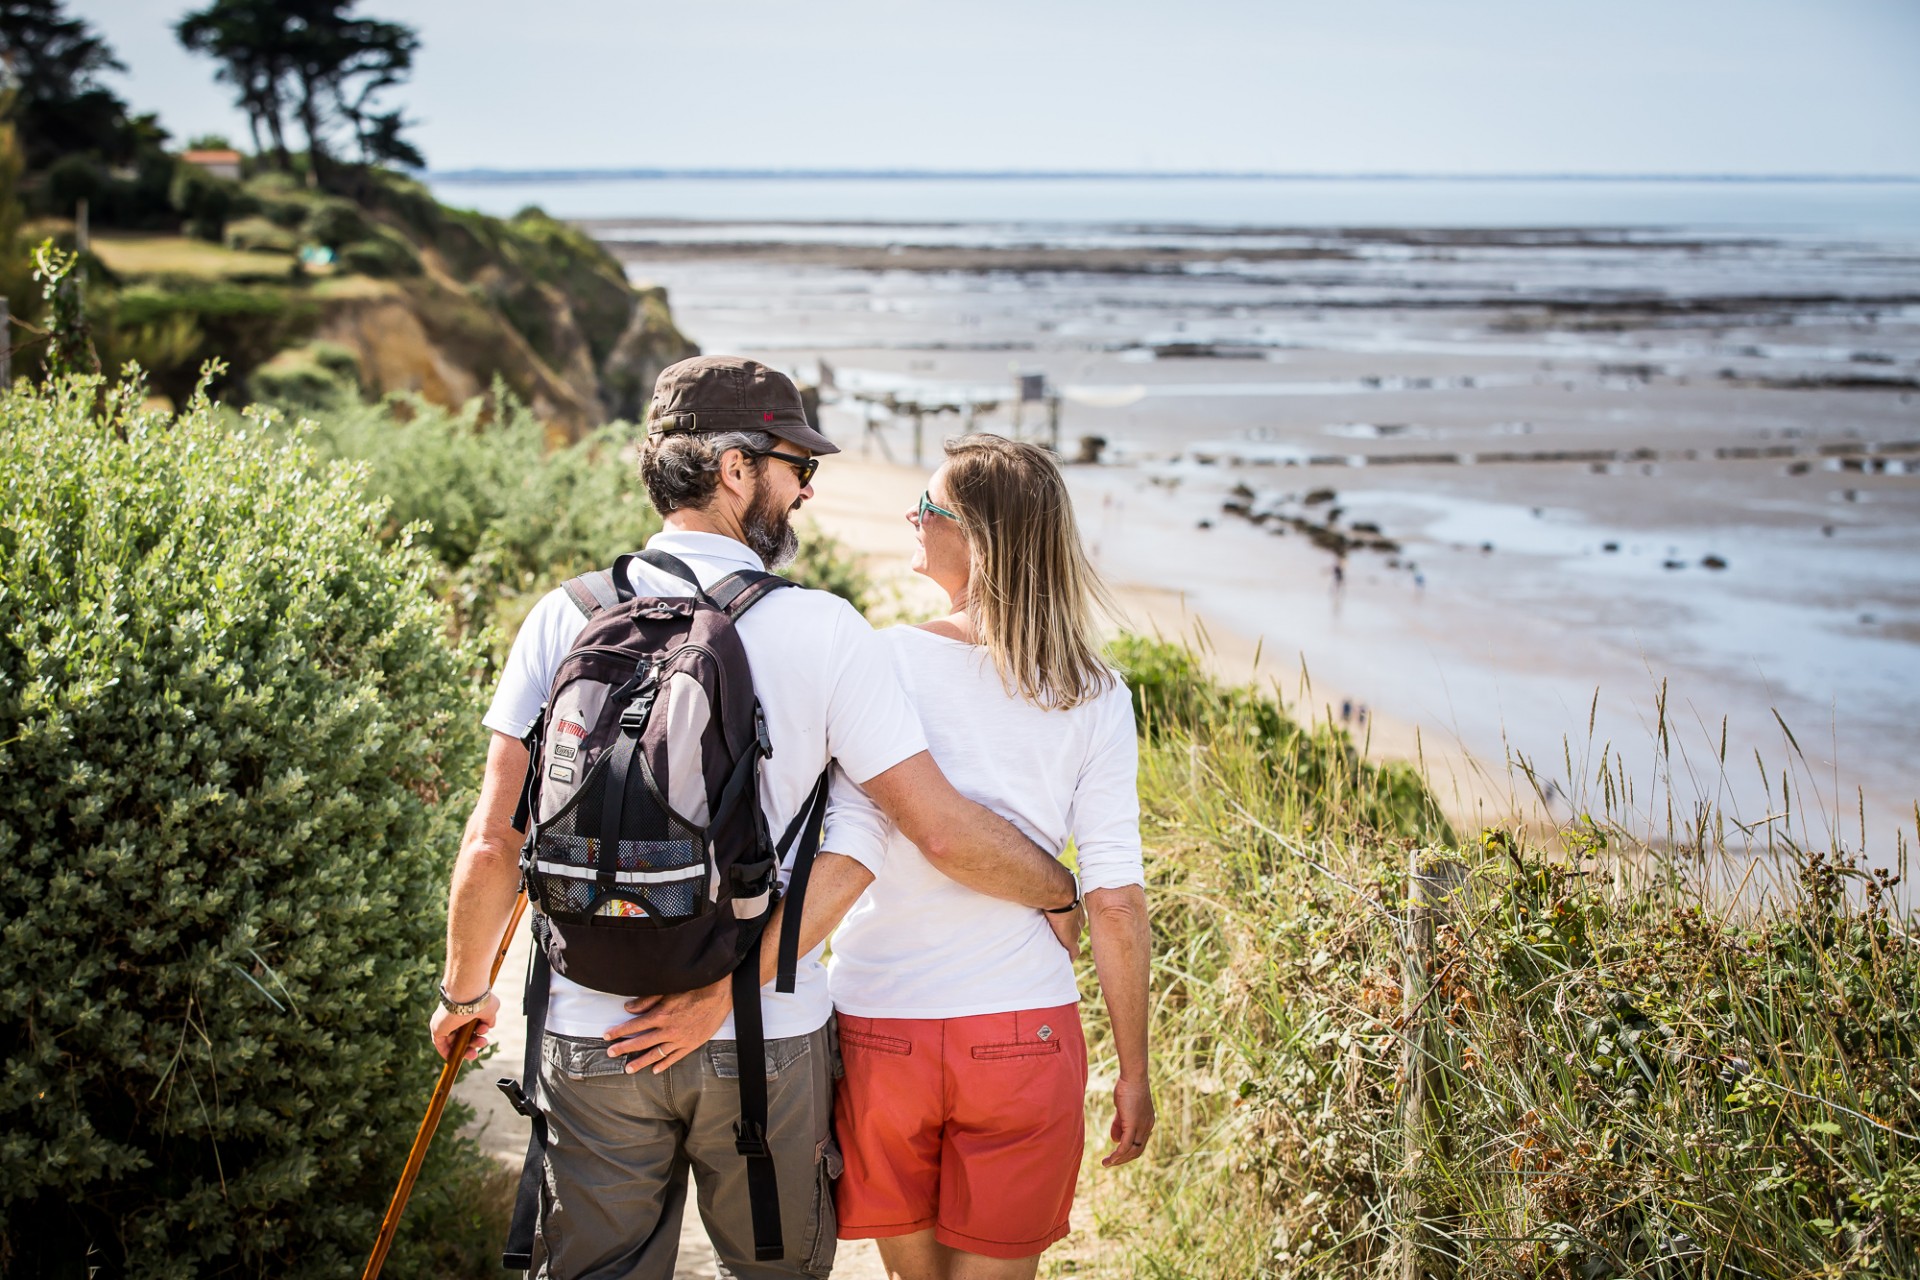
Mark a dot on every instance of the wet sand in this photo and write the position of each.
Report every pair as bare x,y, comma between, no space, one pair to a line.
1605,460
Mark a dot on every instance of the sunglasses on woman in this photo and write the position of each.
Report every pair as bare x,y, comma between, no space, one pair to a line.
805,467
927,504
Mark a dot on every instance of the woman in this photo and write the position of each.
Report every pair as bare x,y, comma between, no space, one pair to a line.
960,1116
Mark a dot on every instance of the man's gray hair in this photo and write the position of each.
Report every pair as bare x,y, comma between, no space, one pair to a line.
682,468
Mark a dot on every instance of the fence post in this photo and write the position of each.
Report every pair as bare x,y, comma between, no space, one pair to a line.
1431,890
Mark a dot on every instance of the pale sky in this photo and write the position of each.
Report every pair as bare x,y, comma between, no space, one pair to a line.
1471,86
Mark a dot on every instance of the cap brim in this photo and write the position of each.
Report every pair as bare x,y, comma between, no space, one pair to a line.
804,436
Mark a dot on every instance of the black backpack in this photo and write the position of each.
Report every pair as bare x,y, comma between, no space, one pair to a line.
647,860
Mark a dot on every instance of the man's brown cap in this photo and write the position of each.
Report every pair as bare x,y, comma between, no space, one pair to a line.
730,393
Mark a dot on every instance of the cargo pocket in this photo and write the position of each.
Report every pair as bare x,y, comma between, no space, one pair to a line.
826,1225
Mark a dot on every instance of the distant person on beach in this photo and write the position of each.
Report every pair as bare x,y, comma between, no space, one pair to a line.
635,1092
961,1115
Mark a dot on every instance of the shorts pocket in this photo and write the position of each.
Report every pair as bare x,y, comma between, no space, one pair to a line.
851,1039
1019,1049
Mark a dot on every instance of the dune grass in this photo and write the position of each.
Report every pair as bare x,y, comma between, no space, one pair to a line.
1628,1074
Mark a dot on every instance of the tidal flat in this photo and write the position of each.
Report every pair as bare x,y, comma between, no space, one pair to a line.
1594,485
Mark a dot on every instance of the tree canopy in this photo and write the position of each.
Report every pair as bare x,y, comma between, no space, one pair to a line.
53,66
313,65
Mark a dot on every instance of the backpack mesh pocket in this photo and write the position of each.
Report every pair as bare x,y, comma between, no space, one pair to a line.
662,862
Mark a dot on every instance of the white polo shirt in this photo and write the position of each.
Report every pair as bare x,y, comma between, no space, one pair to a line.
827,686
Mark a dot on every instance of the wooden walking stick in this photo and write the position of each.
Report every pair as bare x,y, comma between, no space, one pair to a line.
456,1057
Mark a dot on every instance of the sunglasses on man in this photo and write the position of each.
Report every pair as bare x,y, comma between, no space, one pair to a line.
804,467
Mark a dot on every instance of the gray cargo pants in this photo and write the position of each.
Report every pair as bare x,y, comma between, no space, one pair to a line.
620,1146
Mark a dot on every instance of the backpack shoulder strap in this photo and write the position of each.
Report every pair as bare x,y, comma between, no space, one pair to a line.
592,593
740,591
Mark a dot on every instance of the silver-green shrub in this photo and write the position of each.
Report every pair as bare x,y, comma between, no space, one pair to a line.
234,734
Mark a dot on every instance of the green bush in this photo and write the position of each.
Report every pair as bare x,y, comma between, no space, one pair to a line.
234,737
206,203
382,254
280,198
244,325
1313,773
259,235
335,222
320,376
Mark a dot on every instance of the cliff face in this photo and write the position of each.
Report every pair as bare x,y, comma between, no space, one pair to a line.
448,300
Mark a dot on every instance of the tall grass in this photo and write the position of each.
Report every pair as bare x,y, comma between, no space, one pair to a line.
1630,1074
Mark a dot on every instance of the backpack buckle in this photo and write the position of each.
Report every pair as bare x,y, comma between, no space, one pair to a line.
750,1140
760,737
517,1097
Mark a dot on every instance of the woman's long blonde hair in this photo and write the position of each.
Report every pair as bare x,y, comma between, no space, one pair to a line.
1032,592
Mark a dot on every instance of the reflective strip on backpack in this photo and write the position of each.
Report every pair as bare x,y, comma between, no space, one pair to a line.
570,871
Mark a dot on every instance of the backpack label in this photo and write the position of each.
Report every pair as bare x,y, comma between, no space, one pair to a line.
561,773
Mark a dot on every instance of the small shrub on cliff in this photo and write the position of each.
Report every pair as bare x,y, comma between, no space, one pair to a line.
232,734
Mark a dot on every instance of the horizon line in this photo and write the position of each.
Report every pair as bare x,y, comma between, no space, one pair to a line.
896,174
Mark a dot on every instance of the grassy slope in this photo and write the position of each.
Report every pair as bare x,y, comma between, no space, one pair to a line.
1629,1081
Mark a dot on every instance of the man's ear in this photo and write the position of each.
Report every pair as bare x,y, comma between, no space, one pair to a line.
736,473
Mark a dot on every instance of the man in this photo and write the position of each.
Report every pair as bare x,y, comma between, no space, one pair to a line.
632,1103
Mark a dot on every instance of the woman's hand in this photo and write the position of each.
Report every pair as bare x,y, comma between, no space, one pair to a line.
1068,927
446,1026
1132,1121
668,1028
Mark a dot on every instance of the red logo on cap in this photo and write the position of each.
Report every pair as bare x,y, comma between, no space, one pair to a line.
766,417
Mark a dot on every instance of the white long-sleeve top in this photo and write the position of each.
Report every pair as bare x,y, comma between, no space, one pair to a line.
919,945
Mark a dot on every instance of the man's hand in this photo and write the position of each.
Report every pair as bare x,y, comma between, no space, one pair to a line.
1132,1121
1068,927
447,1025
666,1029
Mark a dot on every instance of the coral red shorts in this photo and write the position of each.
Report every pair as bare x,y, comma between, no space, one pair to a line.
971,1126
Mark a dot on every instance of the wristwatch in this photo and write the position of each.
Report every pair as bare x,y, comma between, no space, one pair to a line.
461,1008
1060,911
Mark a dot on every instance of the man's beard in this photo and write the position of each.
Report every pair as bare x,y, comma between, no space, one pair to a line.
767,528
